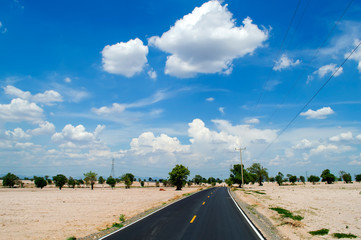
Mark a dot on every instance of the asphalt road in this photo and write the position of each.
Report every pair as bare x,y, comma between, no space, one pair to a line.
209,214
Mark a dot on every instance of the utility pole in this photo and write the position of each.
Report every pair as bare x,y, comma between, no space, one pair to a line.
240,153
112,171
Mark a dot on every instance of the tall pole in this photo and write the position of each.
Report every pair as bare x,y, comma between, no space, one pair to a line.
240,153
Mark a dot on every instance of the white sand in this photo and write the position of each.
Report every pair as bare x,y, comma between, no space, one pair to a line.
336,207
31,213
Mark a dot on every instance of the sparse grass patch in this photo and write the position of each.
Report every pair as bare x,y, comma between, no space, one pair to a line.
322,231
71,238
258,192
186,194
122,218
343,235
117,225
287,214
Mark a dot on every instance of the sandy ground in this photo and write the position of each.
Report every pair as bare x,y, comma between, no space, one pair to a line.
31,213
336,207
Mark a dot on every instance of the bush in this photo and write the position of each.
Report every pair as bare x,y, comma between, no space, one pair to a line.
272,179
293,179
40,182
302,179
60,180
111,181
313,179
157,183
9,180
101,180
287,214
128,179
346,177
279,178
327,176
122,218
142,183
358,178
343,235
322,231
71,182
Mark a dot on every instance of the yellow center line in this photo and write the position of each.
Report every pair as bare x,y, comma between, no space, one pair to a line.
193,218
203,203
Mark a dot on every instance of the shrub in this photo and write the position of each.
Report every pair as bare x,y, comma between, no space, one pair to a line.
322,231
293,179
122,218
344,235
157,183
272,179
117,225
101,180
358,178
346,177
111,181
40,182
9,180
313,179
60,180
142,183
128,179
279,178
302,179
327,176
71,182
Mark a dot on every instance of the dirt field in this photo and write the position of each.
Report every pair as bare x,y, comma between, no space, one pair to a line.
30,213
336,207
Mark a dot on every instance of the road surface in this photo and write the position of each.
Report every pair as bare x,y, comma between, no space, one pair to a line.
209,214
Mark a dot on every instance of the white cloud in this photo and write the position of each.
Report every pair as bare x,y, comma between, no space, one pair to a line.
115,108
304,144
210,99
125,58
67,80
323,148
48,97
358,137
321,113
285,62
356,55
17,134
71,136
21,110
2,28
207,40
252,121
44,129
270,85
221,110
276,161
347,136
152,74
330,68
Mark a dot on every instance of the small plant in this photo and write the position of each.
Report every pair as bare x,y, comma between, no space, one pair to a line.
287,214
117,225
122,218
343,235
258,192
71,238
322,231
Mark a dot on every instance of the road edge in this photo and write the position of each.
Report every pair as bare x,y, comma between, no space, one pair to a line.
253,226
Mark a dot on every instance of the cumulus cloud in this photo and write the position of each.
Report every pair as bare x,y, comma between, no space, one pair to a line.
49,97
17,134
252,121
72,136
321,113
210,99
152,74
347,136
207,40
67,80
43,129
285,62
323,148
125,58
330,68
20,110
221,110
115,108
356,55
304,144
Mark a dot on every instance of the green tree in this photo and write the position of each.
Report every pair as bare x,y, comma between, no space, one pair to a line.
197,179
236,175
71,182
358,178
101,180
60,180
346,176
111,181
272,179
40,182
327,176
178,176
142,183
157,183
260,173
229,182
219,181
302,179
313,179
279,178
292,179
90,178
9,180
128,179
211,180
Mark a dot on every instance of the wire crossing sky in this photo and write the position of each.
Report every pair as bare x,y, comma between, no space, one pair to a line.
154,83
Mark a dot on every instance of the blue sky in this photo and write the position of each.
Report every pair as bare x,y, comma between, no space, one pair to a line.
158,83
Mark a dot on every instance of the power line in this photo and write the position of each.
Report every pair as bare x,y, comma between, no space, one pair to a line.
309,101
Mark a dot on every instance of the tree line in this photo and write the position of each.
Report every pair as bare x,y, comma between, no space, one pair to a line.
257,173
